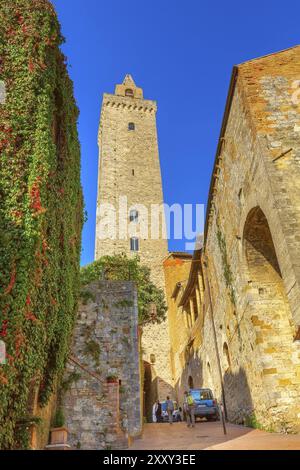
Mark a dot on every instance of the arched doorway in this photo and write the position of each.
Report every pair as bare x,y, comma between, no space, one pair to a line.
226,357
191,382
269,312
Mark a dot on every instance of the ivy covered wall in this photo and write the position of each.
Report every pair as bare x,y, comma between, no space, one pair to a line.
41,210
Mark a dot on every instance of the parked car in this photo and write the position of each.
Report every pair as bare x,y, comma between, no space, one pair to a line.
164,412
206,405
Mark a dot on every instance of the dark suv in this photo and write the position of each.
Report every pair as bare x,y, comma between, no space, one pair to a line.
205,404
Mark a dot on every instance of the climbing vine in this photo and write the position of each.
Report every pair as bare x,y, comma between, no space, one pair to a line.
228,276
41,209
151,301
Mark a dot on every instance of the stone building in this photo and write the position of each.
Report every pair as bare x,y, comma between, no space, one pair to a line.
129,187
101,395
251,254
184,289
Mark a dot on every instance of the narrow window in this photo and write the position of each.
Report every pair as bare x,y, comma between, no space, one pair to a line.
131,126
133,216
134,244
152,358
129,92
132,172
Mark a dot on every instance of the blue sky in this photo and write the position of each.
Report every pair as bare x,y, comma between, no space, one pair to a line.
181,52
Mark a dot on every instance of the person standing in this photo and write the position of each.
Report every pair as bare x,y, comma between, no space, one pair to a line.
190,409
154,410
170,409
158,412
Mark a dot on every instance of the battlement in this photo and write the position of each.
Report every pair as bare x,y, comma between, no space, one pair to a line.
122,102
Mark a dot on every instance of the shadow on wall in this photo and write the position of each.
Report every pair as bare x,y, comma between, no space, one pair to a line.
191,376
151,385
238,397
150,391
239,404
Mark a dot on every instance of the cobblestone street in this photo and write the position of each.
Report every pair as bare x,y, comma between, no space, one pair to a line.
210,436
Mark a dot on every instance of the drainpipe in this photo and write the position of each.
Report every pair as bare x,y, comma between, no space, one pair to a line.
206,281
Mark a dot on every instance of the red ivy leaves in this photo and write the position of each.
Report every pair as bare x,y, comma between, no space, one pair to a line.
53,301
3,331
30,316
19,17
11,282
3,379
31,66
35,199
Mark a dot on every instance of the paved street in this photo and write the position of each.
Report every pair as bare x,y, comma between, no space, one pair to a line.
210,436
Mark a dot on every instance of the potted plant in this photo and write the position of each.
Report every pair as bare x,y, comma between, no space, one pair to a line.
112,379
59,434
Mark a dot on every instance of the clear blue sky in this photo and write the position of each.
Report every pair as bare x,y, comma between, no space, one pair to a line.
181,52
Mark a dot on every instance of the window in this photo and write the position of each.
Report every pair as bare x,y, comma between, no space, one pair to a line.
132,172
131,126
134,244
202,394
129,92
133,215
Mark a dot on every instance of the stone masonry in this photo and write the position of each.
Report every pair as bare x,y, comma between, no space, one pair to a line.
99,414
129,168
251,256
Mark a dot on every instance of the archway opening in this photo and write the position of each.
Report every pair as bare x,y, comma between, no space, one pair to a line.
191,382
269,311
260,251
150,391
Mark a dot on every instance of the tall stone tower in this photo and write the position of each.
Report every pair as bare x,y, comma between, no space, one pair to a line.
129,181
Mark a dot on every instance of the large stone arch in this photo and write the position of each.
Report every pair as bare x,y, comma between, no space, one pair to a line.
267,204
268,307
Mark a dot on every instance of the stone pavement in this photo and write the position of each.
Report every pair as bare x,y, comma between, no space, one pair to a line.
210,436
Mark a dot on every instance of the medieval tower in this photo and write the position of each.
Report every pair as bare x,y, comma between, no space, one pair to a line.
129,186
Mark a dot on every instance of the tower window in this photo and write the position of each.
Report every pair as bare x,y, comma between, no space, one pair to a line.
129,92
134,244
131,126
132,172
133,215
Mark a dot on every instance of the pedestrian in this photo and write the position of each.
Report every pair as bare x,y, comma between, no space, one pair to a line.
154,410
170,409
158,412
190,409
180,414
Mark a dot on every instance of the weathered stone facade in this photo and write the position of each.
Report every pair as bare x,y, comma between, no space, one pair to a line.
102,415
129,167
252,247
185,291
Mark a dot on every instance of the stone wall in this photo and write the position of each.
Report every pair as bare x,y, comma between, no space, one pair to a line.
102,415
252,244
